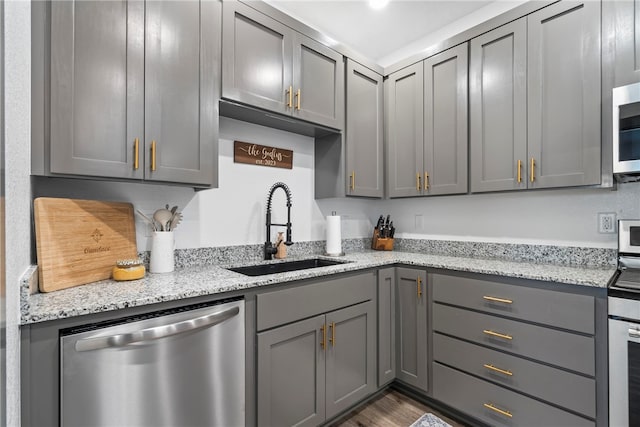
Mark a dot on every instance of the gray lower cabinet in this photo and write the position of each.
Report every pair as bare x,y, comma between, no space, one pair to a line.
317,345
498,108
563,89
268,65
364,132
411,327
386,326
445,122
625,22
516,355
128,103
311,370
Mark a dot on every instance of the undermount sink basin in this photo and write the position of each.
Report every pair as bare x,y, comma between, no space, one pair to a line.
283,267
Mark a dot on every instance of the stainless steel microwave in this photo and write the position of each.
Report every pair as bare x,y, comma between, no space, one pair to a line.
626,132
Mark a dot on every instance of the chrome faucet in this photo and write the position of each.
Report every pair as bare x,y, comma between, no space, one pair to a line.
269,248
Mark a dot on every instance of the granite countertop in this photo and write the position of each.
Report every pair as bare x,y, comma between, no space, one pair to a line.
190,282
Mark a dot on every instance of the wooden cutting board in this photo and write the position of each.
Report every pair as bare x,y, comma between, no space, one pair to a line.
79,241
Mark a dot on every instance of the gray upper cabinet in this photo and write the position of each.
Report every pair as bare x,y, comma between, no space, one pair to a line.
97,88
626,21
445,122
498,108
134,89
564,96
181,75
364,132
411,327
268,65
404,131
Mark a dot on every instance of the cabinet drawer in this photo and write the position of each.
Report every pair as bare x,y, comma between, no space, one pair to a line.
292,304
562,388
469,395
571,351
559,309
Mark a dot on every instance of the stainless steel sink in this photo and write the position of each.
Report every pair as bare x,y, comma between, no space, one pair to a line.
283,267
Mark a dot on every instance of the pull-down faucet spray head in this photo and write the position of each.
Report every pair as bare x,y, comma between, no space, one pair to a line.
269,250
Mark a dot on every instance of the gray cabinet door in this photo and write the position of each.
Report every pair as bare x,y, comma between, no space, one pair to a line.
386,326
364,132
256,59
291,374
97,88
564,95
445,122
498,108
411,327
180,103
318,83
626,18
351,356
404,131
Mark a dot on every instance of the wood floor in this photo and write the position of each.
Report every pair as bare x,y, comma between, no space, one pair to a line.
390,409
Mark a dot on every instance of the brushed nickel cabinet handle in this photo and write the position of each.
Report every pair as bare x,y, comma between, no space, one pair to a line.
497,334
498,410
496,299
502,371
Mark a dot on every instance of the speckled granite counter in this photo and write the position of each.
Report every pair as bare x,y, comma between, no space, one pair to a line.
208,280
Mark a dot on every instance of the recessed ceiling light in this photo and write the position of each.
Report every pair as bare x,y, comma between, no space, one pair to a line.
378,4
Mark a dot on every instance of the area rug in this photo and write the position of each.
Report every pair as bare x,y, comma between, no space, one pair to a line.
430,420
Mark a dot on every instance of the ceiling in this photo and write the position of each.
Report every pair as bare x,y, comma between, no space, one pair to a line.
377,34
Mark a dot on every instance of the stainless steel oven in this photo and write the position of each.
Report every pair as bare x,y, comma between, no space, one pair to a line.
624,329
626,132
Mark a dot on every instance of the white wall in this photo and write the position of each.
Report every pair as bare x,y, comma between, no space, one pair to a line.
17,39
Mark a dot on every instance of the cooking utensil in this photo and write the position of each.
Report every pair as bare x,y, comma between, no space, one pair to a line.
163,216
149,220
177,217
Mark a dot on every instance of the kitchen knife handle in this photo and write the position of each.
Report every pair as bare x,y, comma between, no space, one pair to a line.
153,155
136,154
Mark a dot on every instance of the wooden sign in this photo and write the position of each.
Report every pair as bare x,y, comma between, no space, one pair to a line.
255,154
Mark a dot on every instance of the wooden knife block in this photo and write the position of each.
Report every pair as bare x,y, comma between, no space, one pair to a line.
380,243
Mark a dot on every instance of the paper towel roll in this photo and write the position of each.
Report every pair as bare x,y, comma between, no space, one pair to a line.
334,235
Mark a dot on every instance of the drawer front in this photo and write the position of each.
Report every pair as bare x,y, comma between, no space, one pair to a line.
564,349
307,300
470,395
562,388
559,309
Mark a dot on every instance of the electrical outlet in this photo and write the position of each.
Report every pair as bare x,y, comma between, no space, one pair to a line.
418,222
606,222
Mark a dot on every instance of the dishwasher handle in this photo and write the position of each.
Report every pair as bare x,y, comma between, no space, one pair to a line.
156,333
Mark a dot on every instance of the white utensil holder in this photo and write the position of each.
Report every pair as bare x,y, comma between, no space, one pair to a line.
162,247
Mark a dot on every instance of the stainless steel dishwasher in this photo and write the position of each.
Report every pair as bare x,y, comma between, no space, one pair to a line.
181,367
